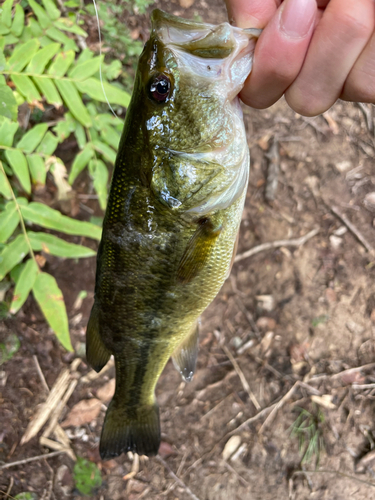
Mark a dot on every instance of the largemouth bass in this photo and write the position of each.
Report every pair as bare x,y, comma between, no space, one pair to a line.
172,220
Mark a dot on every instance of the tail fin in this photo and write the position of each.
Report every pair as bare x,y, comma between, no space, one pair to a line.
134,429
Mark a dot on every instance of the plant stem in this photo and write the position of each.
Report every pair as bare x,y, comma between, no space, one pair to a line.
21,218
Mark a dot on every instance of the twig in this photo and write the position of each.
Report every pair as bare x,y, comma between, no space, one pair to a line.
273,170
40,373
324,471
177,479
353,229
277,244
11,482
241,479
244,382
32,459
277,407
344,373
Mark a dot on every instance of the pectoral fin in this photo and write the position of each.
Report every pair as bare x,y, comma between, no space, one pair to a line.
198,250
97,354
185,356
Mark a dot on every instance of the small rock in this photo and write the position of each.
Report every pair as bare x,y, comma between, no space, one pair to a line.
369,201
185,4
266,324
166,450
265,302
354,327
231,447
335,242
344,166
340,231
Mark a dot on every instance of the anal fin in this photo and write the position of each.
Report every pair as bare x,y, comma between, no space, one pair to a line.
185,355
97,354
198,250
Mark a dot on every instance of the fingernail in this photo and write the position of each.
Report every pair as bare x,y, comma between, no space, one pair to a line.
297,17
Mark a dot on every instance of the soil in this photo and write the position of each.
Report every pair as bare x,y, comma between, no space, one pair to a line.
291,317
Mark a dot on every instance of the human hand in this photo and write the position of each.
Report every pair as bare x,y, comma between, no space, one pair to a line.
314,51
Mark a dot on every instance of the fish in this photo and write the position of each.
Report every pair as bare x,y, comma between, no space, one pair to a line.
172,218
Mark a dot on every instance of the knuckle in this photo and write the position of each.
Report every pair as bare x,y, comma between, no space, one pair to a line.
358,26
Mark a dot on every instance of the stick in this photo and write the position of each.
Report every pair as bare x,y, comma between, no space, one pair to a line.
323,471
244,382
277,244
353,229
32,459
177,479
277,407
40,373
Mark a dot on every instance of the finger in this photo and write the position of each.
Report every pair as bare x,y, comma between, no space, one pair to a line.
280,52
360,84
338,40
251,14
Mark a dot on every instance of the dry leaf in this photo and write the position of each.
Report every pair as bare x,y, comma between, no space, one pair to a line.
58,170
106,392
264,142
83,412
325,401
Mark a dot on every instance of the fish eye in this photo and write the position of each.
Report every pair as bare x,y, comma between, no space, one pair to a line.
160,88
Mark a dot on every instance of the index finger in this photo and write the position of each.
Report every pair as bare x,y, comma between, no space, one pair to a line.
251,13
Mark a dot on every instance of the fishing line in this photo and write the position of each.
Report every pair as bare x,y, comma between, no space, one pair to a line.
100,54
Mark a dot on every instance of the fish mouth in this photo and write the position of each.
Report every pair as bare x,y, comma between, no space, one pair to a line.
203,40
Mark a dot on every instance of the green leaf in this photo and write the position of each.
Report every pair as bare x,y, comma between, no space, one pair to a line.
85,69
7,131
53,245
32,138
18,21
9,220
51,301
37,169
22,55
6,15
3,31
87,476
80,162
52,219
8,40
93,88
105,150
26,87
52,11
26,495
17,161
67,25
12,254
61,63
48,89
62,130
35,27
24,285
48,144
73,101
42,58
40,13
8,105
99,173
3,63
60,37
4,185
8,348
80,136
111,136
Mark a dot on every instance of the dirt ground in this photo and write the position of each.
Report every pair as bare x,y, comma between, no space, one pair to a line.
291,332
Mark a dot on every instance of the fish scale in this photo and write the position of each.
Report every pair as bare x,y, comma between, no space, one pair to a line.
172,219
